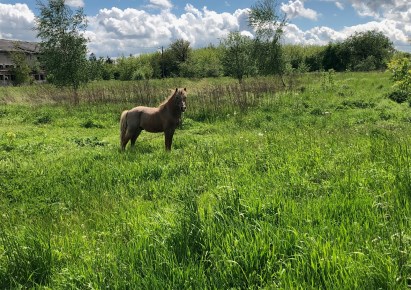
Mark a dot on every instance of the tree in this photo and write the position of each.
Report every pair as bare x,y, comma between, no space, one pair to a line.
336,56
181,50
237,58
95,67
362,51
268,25
63,47
21,69
369,50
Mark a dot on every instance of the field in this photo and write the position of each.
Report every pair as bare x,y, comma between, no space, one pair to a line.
304,188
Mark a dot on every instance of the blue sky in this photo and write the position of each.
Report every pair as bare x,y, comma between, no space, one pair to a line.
119,27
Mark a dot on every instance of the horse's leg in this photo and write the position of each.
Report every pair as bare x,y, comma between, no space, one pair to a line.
168,134
134,137
124,140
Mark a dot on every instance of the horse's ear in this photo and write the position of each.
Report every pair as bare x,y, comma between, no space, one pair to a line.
176,90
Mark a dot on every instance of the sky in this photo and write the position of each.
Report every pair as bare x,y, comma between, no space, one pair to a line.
121,28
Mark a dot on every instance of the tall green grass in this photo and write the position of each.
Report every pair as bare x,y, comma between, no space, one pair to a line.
306,188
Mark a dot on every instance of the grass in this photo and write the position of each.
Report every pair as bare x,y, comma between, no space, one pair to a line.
307,188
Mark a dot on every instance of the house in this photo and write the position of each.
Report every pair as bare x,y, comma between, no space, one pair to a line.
30,50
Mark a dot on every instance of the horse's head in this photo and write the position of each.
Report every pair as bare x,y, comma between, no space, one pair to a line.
180,96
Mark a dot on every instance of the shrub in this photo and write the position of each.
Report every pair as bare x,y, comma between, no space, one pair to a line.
399,96
401,75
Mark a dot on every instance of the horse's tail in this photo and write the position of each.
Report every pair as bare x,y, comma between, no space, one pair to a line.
123,126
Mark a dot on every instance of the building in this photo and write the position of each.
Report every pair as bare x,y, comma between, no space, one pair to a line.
30,50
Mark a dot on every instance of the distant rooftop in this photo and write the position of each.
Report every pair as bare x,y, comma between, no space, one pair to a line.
17,45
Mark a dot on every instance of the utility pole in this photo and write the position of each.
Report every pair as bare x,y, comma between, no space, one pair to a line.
162,62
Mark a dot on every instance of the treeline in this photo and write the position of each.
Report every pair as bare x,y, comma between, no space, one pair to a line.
178,60
364,51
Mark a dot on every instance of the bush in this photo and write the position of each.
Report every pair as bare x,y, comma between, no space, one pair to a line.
399,96
401,75
401,72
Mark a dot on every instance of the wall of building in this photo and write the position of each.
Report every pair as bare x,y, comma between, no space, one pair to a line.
6,66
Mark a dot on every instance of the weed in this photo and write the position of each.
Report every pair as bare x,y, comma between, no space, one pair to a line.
91,124
44,119
89,141
399,96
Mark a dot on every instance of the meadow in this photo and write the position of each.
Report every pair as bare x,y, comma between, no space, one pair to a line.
307,187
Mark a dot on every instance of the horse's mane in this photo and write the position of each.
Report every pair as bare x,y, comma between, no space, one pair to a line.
168,98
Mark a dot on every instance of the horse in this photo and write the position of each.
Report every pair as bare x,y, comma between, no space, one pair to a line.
164,118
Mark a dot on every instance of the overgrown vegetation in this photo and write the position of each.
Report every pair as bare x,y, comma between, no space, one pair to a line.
400,69
21,70
299,189
63,47
236,56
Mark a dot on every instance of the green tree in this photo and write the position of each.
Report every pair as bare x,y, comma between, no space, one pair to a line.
21,69
237,56
63,47
369,50
95,67
268,24
336,56
362,51
181,50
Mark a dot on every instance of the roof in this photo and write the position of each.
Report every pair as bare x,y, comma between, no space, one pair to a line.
17,45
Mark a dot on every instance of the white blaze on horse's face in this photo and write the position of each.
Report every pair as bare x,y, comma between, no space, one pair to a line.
181,99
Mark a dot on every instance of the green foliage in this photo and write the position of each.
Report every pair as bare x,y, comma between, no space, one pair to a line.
265,18
203,62
268,24
21,69
365,51
63,47
134,68
237,57
399,96
181,50
300,58
95,68
369,50
362,51
400,69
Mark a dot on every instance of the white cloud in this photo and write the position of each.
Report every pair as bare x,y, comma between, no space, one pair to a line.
295,8
314,36
396,31
339,5
162,4
398,10
114,31
75,3
17,22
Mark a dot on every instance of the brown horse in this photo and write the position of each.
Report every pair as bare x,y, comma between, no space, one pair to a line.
165,118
